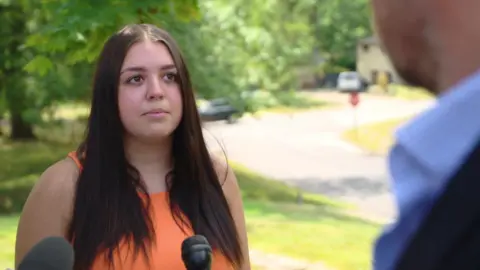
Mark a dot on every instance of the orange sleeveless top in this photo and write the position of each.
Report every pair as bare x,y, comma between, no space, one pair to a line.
166,253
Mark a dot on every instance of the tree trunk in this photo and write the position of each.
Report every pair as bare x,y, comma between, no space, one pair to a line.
17,104
21,130
13,81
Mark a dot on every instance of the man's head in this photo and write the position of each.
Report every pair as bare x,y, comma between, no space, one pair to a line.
432,43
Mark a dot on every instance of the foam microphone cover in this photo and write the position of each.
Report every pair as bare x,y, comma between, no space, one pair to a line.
196,253
52,253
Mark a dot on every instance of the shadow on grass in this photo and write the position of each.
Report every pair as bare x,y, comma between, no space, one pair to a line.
22,158
21,163
319,229
353,186
260,188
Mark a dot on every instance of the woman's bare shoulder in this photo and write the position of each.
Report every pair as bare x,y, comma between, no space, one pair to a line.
61,177
47,211
55,189
220,164
231,189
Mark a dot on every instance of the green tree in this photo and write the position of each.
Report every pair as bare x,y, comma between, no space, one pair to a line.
79,28
12,59
337,25
230,45
261,42
49,41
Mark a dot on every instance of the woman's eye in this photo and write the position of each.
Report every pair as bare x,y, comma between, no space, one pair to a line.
170,77
135,79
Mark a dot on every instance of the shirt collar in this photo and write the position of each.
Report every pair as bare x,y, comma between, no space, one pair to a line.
442,136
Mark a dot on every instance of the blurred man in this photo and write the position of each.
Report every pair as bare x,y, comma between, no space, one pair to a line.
434,44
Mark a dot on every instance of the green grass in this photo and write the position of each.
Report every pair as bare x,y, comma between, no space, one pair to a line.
376,138
284,102
21,165
403,92
259,188
409,92
8,225
312,233
316,230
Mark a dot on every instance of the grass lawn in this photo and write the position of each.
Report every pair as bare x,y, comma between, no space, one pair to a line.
8,227
403,92
283,102
297,103
317,230
410,92
311,233
375,138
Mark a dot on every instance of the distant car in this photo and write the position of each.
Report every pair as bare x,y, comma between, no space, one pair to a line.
330,80
217,110
350,81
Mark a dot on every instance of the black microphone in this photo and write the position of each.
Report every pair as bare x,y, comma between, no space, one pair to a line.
197,253
52,253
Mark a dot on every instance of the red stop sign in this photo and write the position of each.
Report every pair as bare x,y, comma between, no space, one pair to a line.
354,99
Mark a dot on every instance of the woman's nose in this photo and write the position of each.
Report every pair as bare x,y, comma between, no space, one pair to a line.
155,89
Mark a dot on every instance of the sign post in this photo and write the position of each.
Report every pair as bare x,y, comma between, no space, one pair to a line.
354,100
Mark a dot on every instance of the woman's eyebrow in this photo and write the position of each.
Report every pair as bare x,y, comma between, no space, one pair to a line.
140,68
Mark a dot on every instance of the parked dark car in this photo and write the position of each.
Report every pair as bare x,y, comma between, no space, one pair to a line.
217,110
329,80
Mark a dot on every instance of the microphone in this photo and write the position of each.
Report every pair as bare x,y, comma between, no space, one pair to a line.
52,253
197,253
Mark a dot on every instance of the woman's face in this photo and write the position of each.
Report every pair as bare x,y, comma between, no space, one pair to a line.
149,94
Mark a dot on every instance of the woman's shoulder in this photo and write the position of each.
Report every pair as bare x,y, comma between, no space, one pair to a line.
225,175
57,182
221,168
62,173
48,208
55,189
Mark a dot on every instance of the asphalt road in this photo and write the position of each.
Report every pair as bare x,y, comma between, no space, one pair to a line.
305,150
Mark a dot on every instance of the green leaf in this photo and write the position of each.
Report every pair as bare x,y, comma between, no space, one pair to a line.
40,65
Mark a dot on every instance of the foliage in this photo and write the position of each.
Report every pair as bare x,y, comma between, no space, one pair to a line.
263,45
80,28
231,46
337,26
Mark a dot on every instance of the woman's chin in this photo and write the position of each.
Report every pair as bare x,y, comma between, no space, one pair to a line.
157,135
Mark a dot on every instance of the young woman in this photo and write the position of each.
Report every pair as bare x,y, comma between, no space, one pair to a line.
142,180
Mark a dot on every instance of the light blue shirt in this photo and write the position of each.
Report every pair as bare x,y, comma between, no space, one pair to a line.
427,153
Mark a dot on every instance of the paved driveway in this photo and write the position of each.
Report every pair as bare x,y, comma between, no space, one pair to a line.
305,150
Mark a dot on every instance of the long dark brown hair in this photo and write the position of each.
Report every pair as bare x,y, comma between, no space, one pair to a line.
108,208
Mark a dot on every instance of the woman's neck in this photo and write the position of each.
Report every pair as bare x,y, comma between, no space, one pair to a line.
153,161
